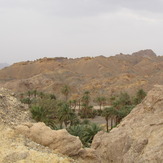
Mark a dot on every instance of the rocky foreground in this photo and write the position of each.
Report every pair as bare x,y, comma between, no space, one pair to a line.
137,139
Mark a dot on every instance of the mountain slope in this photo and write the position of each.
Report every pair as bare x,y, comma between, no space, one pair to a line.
99,74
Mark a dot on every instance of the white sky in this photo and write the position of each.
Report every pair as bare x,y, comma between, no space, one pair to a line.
32,29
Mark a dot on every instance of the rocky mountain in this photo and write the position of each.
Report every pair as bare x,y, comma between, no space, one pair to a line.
99,75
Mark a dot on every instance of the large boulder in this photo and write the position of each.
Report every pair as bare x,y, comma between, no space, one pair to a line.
139,137
16,148
58,140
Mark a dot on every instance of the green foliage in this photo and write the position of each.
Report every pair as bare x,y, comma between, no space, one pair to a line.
86,122
65,91
52,97
38,113
87,110
89,133
100,100
66,115
140,95
122,100
85,132
109,113
26,101
86,98
123,112
98,112
45,110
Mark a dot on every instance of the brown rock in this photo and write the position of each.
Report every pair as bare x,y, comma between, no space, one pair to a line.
60,141
138,138
12,112
16,148
88,155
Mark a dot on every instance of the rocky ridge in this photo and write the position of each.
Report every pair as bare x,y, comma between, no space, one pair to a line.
108,75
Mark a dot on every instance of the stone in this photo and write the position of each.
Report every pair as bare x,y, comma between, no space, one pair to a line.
138,138
88,155
58,140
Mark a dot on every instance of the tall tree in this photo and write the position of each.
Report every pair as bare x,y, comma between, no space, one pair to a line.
65,91
140,95
65,114
100,100
122,100
109,113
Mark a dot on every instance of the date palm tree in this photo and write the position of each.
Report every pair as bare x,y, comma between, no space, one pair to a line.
65,91
100,100
109,113
65,114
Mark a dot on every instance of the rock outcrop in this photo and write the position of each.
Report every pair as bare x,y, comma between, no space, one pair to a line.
12,111
58,140
139,137
16,148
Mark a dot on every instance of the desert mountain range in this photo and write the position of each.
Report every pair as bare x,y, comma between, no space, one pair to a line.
99,75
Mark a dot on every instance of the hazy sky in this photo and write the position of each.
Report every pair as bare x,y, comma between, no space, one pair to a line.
31,29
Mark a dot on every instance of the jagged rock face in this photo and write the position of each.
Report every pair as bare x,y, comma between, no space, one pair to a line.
59,140
139,137
12,112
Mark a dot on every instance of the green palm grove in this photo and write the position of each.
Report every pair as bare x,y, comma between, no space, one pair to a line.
58,113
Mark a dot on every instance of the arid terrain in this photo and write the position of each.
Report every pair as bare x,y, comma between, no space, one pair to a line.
138,138
99,75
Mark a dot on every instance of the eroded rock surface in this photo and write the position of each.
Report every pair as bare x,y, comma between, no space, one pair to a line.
12,112
16,148
59,140
139,137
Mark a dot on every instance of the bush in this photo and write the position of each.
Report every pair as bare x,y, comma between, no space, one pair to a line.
26,101
85,132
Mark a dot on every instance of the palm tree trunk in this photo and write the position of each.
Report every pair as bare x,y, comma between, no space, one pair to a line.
111,122
107,125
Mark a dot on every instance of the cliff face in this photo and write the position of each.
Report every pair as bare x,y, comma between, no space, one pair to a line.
139,137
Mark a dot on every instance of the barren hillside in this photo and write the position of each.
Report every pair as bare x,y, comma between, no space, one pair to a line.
100,74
